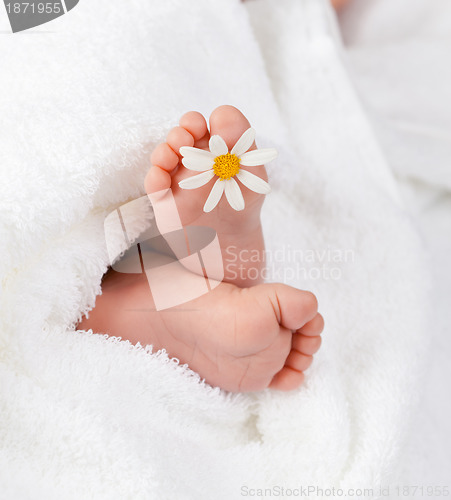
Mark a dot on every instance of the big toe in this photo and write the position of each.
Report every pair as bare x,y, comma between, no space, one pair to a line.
228,122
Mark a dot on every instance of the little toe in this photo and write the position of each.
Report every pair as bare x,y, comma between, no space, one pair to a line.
298,361
287,379
195,123
164,157
157,179
179,137
306,345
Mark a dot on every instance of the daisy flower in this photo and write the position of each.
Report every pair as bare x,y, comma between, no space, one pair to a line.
226,166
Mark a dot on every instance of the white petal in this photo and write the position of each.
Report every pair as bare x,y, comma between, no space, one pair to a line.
253,182
258,157
214,196
244,142
233,194
218,146
196,159
197,181
188,150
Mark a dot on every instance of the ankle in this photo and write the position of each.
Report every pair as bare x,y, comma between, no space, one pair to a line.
244,259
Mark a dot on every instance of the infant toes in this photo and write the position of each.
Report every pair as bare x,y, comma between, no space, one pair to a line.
313,327
298,361
179,137
287,379
195,124
306,345
157,180
164,157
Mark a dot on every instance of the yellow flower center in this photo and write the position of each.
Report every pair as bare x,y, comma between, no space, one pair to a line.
226,166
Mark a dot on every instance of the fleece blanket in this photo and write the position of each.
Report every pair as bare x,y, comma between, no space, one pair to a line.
84,415
395,52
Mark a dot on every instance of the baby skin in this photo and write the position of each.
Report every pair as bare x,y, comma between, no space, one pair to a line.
243,335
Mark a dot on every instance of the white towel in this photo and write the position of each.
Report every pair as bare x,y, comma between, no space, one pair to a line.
84,416
397,53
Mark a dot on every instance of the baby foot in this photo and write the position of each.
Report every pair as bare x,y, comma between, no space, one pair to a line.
236,231
238,339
